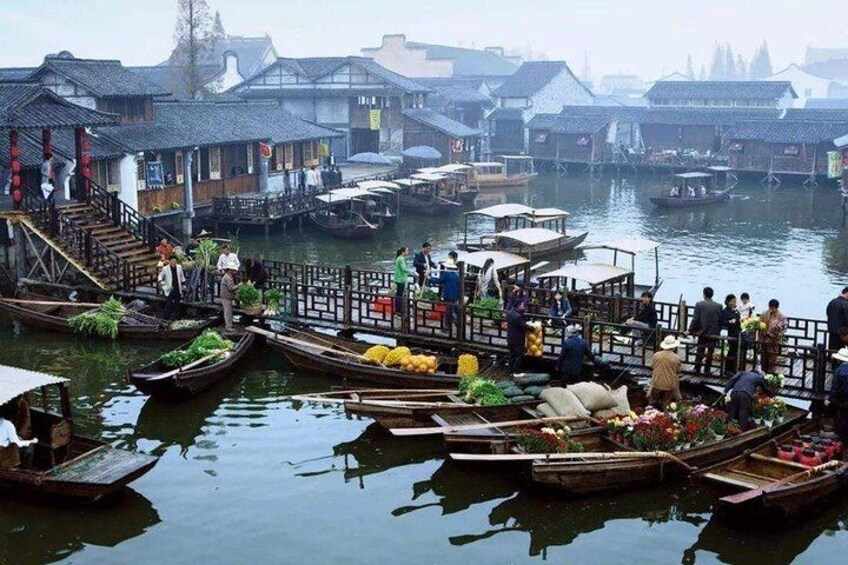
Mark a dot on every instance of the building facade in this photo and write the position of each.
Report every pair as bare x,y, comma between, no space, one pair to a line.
722,94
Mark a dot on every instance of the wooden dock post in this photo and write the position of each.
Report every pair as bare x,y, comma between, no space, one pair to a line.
347,299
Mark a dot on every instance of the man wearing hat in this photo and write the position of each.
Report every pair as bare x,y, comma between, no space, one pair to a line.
228,293
450,283
574,351
838,395
665,374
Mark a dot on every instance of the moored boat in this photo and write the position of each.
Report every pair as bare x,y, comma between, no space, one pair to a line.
428,194
169,383
691,190
65,466
493,174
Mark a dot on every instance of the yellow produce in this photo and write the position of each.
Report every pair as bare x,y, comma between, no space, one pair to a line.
376,353
467,365
396,356
533,343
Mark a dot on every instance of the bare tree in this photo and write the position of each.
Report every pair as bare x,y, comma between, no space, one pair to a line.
192,34
690,70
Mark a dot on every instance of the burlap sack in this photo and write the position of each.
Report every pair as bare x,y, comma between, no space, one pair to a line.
621,408
593,396
546,410
564,402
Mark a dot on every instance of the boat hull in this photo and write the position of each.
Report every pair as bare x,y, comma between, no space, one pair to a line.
521,180
349,231
671,202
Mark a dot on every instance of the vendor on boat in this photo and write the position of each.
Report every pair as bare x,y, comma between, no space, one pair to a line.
15,428
838,395
517,327
423,263
665,374
743,388
574,351
227,257
645,317
450,285
228,293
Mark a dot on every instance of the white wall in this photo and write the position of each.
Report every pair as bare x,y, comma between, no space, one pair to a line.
129,190
230,76
805,84
396,56
300,107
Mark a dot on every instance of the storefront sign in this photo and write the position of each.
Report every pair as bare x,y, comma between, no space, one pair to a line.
155,174
834,165
375,116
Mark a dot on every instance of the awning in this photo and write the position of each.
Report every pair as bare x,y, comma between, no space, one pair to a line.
333,198
430,170
503,260
592,273
548,214
486,164
531,236
524,157
410,182
15,382
499,211
720,168
693,175
631,245
351,193
431,177
372,184
453,168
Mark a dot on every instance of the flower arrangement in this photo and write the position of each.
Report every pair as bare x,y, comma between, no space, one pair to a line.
768,410
547,440
775,381
753,324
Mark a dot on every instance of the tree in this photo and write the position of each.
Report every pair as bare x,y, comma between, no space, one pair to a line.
741,68
218,31
192,34
761,63
690,72
717,68
729,63
703,74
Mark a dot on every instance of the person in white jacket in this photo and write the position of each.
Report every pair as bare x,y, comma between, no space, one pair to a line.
226,258
172,283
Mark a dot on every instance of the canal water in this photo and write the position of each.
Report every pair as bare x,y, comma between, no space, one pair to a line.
248,477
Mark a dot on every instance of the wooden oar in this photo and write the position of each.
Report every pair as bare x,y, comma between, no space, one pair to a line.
365,391
343,397
755,493
327,341
469,427
612,455
325,349
189,366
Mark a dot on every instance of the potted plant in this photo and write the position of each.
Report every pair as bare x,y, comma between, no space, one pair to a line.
719,426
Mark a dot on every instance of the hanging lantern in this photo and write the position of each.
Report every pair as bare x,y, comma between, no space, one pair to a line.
17,195
15,152
86,172
86,160
16,181
16,166
86,145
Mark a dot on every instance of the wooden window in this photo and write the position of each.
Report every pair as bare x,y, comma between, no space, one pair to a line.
583,140
279,157
308,154
214,163
792,150
289,156
179,167
540,137
250,158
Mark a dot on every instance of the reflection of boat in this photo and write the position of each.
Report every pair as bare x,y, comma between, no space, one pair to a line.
769,487
376,452
493,174
65,465
320,353
53,315
687,192
169,383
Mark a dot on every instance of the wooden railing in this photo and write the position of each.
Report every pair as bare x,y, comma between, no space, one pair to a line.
204,192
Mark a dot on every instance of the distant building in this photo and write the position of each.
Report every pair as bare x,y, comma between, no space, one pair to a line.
726,94
465,100
419,60
621,85
537,87
809,85
817,55
827,103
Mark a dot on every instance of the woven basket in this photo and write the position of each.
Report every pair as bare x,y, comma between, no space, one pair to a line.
253,309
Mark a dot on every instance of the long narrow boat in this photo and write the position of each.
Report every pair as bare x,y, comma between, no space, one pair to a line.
53,315
691,202
342,358
65,466
343,224
769,487
168,383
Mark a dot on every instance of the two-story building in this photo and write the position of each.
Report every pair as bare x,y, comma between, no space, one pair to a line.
538,87
465,100
722,94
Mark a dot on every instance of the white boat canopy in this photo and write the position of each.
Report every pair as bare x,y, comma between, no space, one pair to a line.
381,190
331,198
430,177
372,184
452,168
547,214
486,164
502,259
430,170
410,182
631,245
524,157
530,236
15,382
694,175
592,273
499,211
720,168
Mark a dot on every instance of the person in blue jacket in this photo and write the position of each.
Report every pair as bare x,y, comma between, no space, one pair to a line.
560,309
574,351
450,284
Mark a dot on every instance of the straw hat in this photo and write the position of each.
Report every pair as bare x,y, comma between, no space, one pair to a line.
670,342
573,329
841,355
203,233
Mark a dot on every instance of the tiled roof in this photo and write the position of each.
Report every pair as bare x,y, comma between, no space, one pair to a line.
836,69
530,78
441,123
561,123
103,78
827,103
787,131
250,51
468,62
63,147
29,105
705,116
456,90
628,113
817,114
187,124
15,73
506,114
736,90
171,78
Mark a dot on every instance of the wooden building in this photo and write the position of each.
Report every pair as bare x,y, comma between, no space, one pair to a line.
456,142
465,100
722,94
561,138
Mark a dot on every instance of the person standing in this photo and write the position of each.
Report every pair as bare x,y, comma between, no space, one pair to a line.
665,374
772,336
227,258
746,307
730,319
423,263
706,323
837,321
743,387
450,283
488,284
228,294
310,178
645,318
574,351
172,281
838,395
48,178
255,272
401,278
516,333
164,249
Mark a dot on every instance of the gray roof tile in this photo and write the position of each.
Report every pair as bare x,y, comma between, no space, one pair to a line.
29,105
468,62
787,131
250,51
566,124
531,77
736,90
441,123
104,78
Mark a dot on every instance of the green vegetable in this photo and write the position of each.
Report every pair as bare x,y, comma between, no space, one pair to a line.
102,322
203,345
428,294
482,391
487,308
272,298
247,294
206,253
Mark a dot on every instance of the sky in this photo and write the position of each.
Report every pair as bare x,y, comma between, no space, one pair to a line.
646,37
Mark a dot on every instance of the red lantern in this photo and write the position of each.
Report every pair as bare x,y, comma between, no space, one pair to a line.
16,181
13,137
16,166
86,160
86,145
17,195
86,172
15,152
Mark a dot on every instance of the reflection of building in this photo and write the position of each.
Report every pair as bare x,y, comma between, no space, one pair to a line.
722,94
537,87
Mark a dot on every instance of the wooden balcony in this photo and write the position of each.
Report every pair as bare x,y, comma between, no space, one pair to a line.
173,197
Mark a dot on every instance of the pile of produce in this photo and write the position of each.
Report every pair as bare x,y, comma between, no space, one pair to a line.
376,353
248,295
185,324
103,321
533,342
395,356
753,324
202,346
524,387
467,365
419,364
490,308
482,391
551,439
428,294
272,301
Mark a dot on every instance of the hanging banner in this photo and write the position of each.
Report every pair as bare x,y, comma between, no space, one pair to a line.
834,164
323,150
457,146
374,116
155,174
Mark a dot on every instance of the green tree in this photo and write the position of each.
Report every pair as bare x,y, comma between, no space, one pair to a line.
192,34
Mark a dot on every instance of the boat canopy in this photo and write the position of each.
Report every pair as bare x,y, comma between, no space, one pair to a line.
15,382
486,164
499,211
525,157
592,273
430,170
452,168
372,184
720,168
694,175
630,245
410,182
352,192
381,190
531,236
431,177
548,214
503,259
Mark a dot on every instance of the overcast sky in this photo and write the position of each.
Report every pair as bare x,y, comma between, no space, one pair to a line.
647,37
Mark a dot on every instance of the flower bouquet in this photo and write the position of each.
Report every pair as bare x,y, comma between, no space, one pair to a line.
753,324
775,381
547,440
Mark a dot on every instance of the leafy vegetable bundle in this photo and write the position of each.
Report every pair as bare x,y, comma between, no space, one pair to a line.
487,308
102,322
248,295
205,344
482,391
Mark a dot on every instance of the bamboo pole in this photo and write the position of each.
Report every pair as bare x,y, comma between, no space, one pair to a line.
488,425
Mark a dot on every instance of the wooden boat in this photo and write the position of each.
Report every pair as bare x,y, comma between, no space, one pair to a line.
337,357
343,223
769,487
167,383
65,465
426,195
494,174
53,315
683,181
